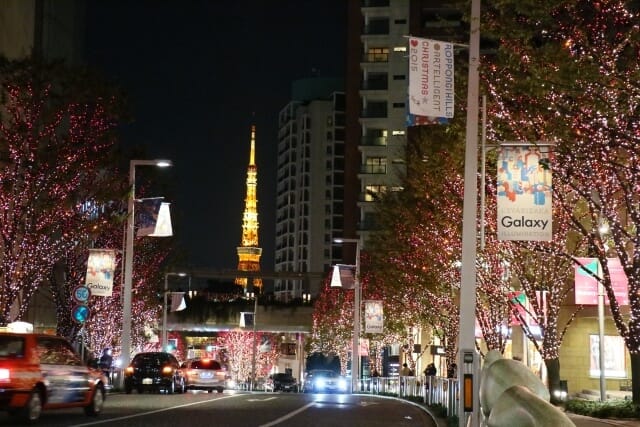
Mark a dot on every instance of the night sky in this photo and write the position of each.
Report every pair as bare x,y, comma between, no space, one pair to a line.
198,74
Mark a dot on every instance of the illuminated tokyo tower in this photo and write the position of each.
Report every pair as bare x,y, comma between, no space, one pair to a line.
249,252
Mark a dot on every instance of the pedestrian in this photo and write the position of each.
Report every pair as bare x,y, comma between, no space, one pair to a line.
430,370
405,371
105,362
452,371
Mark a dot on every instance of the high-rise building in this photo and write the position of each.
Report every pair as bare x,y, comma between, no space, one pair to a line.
376,95
249,252
45,29
310,180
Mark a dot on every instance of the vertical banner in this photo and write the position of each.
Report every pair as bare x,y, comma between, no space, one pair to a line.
524,193
586,285
147,211
163,226
373,317
177,301
431,72
100,266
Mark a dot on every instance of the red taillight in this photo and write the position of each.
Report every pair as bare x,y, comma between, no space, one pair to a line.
5,375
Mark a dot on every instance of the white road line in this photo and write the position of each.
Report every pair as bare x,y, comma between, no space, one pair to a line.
152,412
289,415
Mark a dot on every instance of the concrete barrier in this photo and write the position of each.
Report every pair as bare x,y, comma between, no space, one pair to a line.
512,396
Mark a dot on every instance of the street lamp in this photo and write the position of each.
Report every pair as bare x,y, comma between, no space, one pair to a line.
253,295
125,352
164,307
355,347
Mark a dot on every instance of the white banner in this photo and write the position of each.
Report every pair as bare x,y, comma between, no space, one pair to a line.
100,266
373,317
430,78
524,193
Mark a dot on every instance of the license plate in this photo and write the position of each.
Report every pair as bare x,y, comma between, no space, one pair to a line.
206,375
147,381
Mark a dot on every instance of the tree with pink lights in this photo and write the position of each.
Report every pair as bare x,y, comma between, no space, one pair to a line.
56,136
567,73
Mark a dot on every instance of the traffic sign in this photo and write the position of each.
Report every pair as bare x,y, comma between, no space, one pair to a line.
80,313
81,294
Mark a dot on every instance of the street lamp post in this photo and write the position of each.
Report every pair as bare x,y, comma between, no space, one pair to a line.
355,347
164,308
252,384
125,352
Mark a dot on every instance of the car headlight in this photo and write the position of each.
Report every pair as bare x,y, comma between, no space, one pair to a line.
342,383
320,382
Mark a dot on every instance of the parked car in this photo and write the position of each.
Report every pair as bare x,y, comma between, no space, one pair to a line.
40,372
325,381
204,374
154,371
281,382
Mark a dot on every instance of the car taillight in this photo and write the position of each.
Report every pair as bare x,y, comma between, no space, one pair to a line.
129,370
167,370
5,375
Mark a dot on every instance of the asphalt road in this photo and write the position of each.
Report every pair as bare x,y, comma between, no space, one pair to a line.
199,409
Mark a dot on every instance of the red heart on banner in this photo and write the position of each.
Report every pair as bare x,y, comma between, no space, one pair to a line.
414,42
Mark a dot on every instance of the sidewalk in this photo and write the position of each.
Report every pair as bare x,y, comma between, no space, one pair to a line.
582,421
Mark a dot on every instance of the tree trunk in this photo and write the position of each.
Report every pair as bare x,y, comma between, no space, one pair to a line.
553,378
635,377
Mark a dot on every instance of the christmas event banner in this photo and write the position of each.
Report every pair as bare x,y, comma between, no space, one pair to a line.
153,218
586,285
524,193
373,317
430,78
100,266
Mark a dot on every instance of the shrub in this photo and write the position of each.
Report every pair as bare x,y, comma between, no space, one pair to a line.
608,409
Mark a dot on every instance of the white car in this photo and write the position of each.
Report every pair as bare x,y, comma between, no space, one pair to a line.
204,374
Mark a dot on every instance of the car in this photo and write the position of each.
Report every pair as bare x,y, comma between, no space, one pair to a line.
154,371
282,382
40,372
325,381
204,374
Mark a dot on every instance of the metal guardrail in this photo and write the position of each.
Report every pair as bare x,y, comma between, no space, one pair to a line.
433,390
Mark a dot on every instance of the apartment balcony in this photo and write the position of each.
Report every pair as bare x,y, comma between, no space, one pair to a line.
373,169
374,113
374,3
373,141
381,84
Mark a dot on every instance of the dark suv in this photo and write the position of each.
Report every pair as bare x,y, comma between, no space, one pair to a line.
39,372
154,371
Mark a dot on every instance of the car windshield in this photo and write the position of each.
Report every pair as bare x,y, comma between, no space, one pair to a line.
205,364
328,374
281,377
149,360
11,346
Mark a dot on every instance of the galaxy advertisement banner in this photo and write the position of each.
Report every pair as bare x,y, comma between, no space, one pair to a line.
373,317
524,193
100,266
586,285
431,89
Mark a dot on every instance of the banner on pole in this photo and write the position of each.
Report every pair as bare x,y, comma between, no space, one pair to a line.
586,284
373,317
524,193
153,218
100,266
431,89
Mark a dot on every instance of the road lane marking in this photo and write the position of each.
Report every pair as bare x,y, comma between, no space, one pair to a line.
261,400
155,411
289,415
